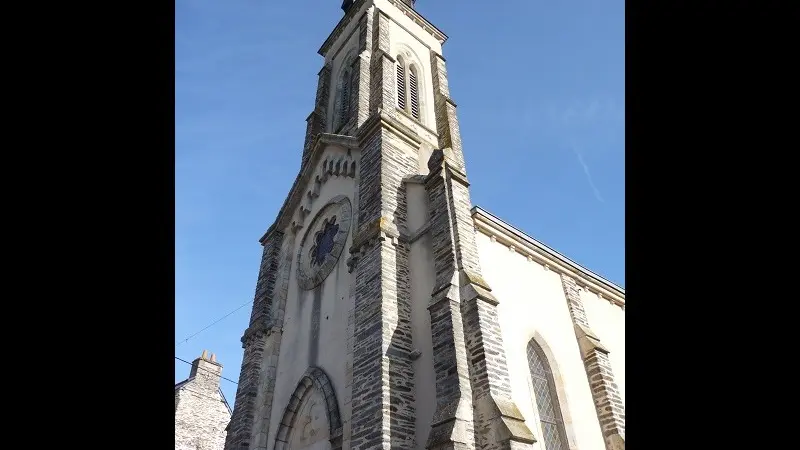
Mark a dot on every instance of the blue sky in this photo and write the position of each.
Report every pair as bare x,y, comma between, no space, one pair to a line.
540,88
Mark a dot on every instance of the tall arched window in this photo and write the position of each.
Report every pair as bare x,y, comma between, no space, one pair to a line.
553,433
344,92
408,88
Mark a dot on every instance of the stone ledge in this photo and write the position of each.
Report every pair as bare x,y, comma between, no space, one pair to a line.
443,159
382,119
615,442
588,341
448,423
255,331
504,419
379,228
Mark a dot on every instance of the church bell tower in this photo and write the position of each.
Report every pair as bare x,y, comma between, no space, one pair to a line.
372,326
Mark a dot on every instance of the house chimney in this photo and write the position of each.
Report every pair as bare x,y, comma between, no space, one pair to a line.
206,370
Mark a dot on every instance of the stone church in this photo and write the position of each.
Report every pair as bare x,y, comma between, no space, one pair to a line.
389,312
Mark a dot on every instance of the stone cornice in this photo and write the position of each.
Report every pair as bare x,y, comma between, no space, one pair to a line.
384,120
296,192
421,21
355,11
504,233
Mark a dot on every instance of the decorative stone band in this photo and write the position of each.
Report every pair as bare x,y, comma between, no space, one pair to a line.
314,378
382,120
256,331
607,401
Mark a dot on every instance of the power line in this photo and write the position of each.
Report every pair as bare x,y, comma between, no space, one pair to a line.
201,368
216,322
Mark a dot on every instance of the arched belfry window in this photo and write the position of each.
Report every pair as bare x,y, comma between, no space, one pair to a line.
408,87
554,435
344,93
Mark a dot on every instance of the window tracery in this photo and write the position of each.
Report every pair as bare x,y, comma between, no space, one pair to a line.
553,432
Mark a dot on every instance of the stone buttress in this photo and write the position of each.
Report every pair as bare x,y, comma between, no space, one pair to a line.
474,406
607,401
383,379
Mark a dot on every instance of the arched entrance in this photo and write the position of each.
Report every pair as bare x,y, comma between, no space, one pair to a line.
311,420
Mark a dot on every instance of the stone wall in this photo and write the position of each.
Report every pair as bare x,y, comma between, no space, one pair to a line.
200,411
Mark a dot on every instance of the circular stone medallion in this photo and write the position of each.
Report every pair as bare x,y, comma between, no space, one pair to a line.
323,242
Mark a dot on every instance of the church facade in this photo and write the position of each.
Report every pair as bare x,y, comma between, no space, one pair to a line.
391,313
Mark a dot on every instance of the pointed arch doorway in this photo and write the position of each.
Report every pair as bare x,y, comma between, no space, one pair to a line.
311,420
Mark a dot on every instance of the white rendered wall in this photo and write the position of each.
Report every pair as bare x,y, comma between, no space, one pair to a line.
533,305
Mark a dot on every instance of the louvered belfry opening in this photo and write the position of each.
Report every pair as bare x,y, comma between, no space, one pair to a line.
553,433
414,91
401,84
345,106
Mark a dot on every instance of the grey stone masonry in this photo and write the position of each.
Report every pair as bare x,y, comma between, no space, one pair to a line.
382,398
607,401
265,283
383,379
452,426
382,86
361,69
316,121
446,122
474,352
201,414
254,343
269,365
